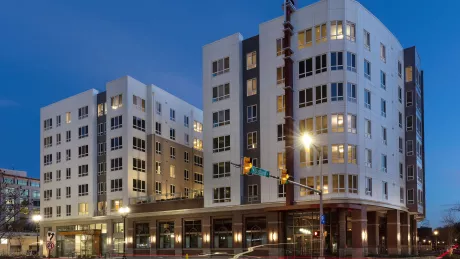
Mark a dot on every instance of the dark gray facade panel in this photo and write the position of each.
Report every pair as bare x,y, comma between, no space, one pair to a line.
101,99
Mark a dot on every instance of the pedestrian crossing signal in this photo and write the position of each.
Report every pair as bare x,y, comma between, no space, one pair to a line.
247,165
284,176
316,234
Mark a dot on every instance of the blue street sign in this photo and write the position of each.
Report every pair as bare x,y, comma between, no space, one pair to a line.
323,219
259,171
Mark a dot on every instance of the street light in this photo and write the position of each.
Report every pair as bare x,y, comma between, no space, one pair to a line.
307,141
436,232
124,211
37,219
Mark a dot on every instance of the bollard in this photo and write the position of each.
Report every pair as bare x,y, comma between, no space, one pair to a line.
186,256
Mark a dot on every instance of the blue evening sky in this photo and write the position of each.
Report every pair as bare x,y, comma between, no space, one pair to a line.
50,50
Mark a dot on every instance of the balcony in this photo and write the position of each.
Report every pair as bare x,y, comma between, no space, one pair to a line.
166,202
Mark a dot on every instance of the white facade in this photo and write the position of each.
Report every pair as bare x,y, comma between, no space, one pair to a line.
127,87
323,12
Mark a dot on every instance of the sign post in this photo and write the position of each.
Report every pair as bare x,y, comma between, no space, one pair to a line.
50,242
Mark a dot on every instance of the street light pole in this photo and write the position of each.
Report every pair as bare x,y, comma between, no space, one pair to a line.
124,211
436,239
37,219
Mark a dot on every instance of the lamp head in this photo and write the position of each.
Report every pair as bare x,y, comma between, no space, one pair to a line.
124,210
36,218
307,140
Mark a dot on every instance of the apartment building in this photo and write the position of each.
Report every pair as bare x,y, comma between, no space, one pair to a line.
130,144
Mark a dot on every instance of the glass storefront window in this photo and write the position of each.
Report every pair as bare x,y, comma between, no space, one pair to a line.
223,236
193,235
142,235
256,231
118,227
166,235
118,245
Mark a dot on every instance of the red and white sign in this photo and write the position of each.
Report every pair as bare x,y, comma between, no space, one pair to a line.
50,245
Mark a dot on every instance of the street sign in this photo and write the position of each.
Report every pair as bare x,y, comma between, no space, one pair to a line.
50,245
323,219
259,171
50,236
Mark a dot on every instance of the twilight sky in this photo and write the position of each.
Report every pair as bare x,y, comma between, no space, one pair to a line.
50,50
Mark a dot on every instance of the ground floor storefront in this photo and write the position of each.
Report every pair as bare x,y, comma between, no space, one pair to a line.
351,230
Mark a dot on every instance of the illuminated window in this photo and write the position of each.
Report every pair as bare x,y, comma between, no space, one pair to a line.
280,103
139,103
197,126
305,38
409,74
115,205
279,75
279,46
351,31
353,184
197,144
352,154
338,154
252,140
337,123
82,209
281,160
251,87
251,60
351,122
338,183
306,126
336,30
321,124
321,33
68,117
116,101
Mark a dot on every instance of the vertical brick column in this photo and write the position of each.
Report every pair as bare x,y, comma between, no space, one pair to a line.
359,232
393,232
207,234
153,236
413,234
373,232
178,236
342,220
238,232
405,233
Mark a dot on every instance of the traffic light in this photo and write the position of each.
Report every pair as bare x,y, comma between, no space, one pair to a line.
316,234
247,165
284,176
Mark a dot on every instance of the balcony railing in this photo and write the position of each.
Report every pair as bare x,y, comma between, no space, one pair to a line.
166,197
251,199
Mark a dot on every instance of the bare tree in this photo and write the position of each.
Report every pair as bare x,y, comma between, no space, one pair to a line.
449,220
425,223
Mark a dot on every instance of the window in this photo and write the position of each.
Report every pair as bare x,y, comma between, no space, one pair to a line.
58,120
138,123
138,185
138,165
385,190
321,124
280,103
336,61
279,46
305,68
321,63
383,52
220,66
368,186
251,60
48,124
399,94
252,113
222,194
157,167
321,94
68,192
338,183
101,168
368,157
305,38
82,189
367,40
338,155
352,154
100,109
337,124
116,185
101,149
409,123
336,30
158,187
383,80
253,192
281,190
336,92
82,209
320,33
186,175
198,144
197,126
305,97
198,160
252,140
281,160
251,87
58,175
116,164
351,31
280,132
172,134
409,98
384,135
58,139
307,157
221,118
367,99
383,108
116,122
186,119
198,178
279,75
48,142
68,117
82,170
82,112
158,147
48,177
47,159
399,69
352,184
116,204
408,74
306,126
172,190
48,212
68,155
221,169
410,196
351,122
351,62
158,107
172,171
400,142
186,157
58,211
117,102
401,171
139,144
367,69
351,92
400,118
186,138
68,173
116,143
220,92
172,152
410,173
68,136
139,103
101,129
384,163
158,128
